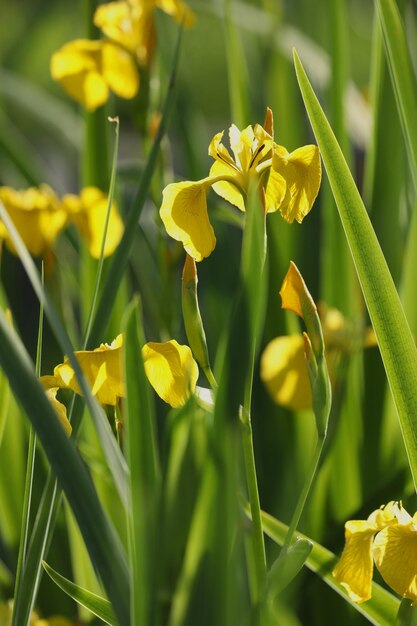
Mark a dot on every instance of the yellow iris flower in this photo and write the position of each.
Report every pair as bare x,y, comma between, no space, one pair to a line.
169,366
37,214
88,70
283,363
291,180
88,212
387,538
130,23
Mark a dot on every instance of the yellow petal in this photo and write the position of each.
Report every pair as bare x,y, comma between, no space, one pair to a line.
275,192
171,370
88,212
302,172
37,215
241,143
284,372
395,555
77,67
60,409
121,22
294,293
119,70
178,10
226,190
355,568
219,152
102,368
185,217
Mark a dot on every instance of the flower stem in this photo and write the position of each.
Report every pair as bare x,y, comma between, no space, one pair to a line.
305,491
252,484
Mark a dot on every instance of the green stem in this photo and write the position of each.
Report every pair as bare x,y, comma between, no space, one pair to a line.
305,492
210,377
252,484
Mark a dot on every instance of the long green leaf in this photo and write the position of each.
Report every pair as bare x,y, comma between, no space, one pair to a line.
91,601
380,610
401,73
395,340
104,546
144,472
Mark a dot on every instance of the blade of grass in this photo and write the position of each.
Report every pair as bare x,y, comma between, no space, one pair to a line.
97,605
104,547
144,472
236,69
380,610
27,498
402,75
395,340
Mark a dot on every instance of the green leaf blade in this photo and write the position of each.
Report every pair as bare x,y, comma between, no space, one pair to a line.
394,337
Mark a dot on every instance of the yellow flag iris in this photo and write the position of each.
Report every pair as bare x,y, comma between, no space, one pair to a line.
88,70
291,183
387,538
37,214
169,366
88,212
283,362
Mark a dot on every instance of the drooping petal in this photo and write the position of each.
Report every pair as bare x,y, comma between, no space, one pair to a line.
355,568
102,368
88,212
284,372
185,217
77,67
224,189
119,70
395,555
171,370
302,172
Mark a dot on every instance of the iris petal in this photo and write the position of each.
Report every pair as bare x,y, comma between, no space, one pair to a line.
395,555
284,372
355,568
226,190
171,370
185,217
302,172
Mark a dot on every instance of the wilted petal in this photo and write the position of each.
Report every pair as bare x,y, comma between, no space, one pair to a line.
119,70
395,555
284,372
302,172
171,370
185,217
77,67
